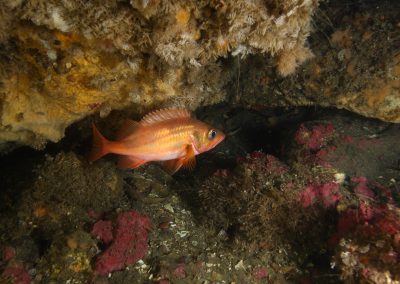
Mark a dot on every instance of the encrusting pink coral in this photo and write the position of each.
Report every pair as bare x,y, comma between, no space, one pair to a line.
316,137
180,271
362,190
8,253
103,231
367,220
259,161
16,274
365,241
327,194
129,244
260,273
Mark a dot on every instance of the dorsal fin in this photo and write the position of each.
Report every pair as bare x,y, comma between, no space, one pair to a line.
127,128
164,114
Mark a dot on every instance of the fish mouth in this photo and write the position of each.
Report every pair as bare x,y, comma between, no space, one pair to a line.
222,138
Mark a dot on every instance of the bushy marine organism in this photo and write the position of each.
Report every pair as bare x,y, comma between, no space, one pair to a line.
255,199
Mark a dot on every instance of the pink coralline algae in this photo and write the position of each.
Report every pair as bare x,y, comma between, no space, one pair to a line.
103,231
368,235
16,274
259,161
362,191
260,273
315,138
129,244
15,271
316,143
8,253
327,194
367,220
370,218
180,271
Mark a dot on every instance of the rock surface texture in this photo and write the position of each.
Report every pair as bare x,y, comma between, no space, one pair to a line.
356,64
62,61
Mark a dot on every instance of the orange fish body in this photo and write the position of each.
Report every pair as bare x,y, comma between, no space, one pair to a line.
168,135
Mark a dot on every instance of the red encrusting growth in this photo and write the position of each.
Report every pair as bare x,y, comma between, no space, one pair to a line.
8,253
103,231
259,161
315,138
327,194
316,142
362,191
180,271
129,244
16,274
368,221
260,273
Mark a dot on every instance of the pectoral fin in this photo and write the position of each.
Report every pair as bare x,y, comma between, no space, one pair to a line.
129,162
189,161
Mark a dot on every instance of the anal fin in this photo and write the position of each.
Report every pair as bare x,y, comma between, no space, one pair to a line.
129,162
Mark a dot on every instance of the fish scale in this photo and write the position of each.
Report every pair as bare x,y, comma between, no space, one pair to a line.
169,138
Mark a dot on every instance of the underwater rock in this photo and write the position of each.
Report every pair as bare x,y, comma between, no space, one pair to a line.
356,65
239,218
351,145
61,62
326,180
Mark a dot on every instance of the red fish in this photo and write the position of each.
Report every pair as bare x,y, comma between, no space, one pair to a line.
168,135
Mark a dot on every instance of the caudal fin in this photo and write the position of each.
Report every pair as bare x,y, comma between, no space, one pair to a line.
99,146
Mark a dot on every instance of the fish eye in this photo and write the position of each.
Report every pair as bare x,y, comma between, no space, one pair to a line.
211,134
